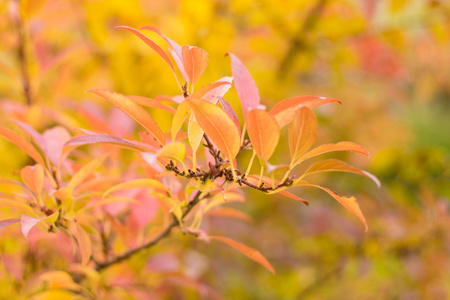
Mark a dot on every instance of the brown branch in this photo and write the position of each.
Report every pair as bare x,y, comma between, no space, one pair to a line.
156,240
298,41
21,52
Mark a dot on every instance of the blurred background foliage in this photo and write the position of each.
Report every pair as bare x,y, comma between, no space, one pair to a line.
387,61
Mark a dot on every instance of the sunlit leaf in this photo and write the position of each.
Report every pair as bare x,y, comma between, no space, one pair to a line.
22,143
136,184
230,112
230,213
132,109
151,103
307,101
218,126
33,177
27,223
179,117
8,222
263,132
250,252
195,61
335,165
11,203
302,133
93,138
58,280
245,85
54,139
86,171
84,243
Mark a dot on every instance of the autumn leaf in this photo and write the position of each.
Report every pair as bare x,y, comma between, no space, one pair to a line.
245,85
218,126
263,132
249,252
154,103
230,112
22,143
33,177
195,61
179,117
84,243
302,133
8,222
27,223
132,109
135,184
95,138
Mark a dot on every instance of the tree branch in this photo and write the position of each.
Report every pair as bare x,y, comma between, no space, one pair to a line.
156,240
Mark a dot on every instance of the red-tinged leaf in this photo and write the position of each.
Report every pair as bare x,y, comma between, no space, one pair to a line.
36,136
263,132
136,184
151,103
84,244
22,143
8,222
33,177
292,196
132,109
180,116
335,165
250,252
302,133
151,44
27,223
341,146
223,85
93,138
230,112
168,99
218,126
55,138
195,61
348,202
245,85
205,92
308,101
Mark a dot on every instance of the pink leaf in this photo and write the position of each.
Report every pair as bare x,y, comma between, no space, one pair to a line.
230,112
8,222
245,85
55,138
27,223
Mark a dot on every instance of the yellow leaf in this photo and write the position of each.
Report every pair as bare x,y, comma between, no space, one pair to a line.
84,243
22,143
136,184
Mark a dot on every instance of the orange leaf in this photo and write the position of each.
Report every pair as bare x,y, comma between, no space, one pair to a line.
195,61
218,126
230,212
245,85
134,111
302,133
94,138
335,165
263,132
152,45
206,90
195,133
308,101
84,244
151,103
341,146
250,252
348,202
22,143
33,177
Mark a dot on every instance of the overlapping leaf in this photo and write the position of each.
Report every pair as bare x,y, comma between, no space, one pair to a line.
195,61
302,133
264,133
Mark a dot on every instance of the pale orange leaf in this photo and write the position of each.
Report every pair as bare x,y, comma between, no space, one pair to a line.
195,61
302,133
263,131
22,143
151,103
33,177
84,244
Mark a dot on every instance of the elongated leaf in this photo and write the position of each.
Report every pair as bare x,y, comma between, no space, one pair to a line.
231,213
57,281
36,136
151,44
302,133
308,101
136,184
223,85
245,85
10,203
341,146
180,116
85,171
33,177
151,103
55,138
202,92
292,196
84,244
94,138
218,126
348,202
195,133
105,201
8,222
134,111
263,132
195,61
22,143
249,252
27,223
335,165
230,112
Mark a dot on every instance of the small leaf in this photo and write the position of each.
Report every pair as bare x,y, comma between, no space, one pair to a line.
302,133
54,139
86,171
136,184
245,85
335,165
207,92
27,223
8,222
218,126
180,116
10,203
33,177
230,213
230,112
263,132
195,61
348,202
22,143
307,101
58,280
195,133
132,109
151,103
341,146
250,252
84,244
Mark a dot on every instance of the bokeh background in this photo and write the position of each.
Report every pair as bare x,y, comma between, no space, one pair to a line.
388,61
